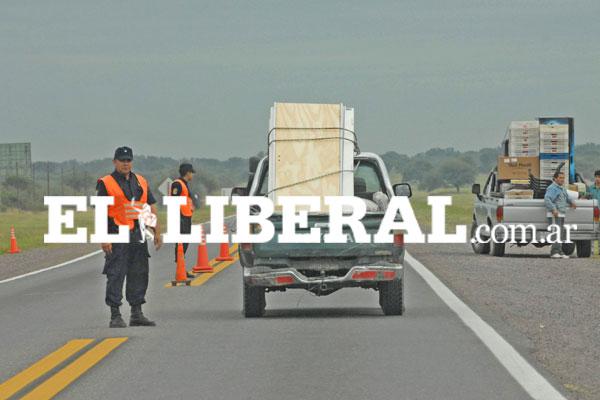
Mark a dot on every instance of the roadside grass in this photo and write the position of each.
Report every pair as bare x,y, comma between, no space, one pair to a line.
459,213
30,226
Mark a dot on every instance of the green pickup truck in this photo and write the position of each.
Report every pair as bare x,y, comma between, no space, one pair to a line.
323,268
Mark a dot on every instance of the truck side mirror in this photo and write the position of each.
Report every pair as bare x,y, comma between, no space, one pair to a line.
476,189
253,164
402,189
250,179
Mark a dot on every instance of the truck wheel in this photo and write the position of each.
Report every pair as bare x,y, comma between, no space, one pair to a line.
478,248
584,248
391,297
254,301
568,248
497,249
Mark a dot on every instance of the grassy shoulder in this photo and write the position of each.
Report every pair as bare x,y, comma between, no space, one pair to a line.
459,213
30,226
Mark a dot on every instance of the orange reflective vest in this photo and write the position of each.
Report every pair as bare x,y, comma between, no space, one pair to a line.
124,211
188,208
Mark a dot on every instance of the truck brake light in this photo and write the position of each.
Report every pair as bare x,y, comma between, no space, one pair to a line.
398,239
284,280
389,275
596,214
369,275
500,213
364,275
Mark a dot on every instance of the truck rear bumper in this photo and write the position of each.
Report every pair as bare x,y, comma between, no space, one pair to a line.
291,277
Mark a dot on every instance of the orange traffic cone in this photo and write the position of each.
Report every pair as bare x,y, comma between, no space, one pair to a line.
180,272
202,264
224,249
14,248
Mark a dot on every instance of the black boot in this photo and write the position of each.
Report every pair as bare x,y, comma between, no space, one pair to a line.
138,318
116,321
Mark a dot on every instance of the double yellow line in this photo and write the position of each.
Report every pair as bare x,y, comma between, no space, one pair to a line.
65,376
218,266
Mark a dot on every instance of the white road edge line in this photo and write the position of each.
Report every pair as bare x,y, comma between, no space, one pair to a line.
531,380
39,271
93,253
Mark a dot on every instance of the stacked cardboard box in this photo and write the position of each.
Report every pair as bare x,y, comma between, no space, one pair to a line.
549,163
524,139
554,139
311,150
510,168
554,149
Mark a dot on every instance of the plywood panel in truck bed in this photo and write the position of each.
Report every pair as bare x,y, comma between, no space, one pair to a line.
307,158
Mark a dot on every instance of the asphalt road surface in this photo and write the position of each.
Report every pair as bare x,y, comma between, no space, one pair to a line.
306,347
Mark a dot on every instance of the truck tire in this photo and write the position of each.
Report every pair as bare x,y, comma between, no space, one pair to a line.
478,248
497,249
254,301
391,297
584,248
568,248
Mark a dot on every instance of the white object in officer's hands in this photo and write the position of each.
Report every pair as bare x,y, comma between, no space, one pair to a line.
146,220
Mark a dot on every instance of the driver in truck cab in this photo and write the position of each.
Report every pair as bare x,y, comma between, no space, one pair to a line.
556,201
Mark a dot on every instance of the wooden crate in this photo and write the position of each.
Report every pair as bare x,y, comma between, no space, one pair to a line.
309,153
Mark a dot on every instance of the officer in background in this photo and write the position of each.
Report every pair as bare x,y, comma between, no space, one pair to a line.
126,260
181,187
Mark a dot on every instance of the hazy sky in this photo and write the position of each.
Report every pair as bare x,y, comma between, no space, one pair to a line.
191,78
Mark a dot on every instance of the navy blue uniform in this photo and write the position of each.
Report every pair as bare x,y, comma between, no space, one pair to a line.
127,260
185,223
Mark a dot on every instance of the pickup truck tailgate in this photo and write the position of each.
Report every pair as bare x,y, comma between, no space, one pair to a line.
371,223
520,211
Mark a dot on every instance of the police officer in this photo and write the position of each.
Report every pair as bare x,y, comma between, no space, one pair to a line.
126,261
181,187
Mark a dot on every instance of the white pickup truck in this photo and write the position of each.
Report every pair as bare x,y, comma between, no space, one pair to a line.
492,209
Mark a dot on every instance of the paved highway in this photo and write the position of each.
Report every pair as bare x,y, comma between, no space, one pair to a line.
334,347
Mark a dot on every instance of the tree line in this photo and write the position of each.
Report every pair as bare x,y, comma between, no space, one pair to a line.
77,178
449,168
430,170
